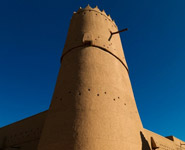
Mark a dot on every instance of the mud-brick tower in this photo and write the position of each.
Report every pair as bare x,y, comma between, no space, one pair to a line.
93,106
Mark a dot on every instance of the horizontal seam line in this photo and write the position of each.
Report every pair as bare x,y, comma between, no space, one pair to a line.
99,48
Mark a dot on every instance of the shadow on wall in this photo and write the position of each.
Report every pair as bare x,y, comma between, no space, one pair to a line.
3,144
145,145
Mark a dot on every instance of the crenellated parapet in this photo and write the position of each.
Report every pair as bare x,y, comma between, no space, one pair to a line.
96,10
92,27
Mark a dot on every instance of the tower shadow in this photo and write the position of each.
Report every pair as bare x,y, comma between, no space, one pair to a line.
145,144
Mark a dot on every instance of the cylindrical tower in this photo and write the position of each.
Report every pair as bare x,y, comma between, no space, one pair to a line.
93,106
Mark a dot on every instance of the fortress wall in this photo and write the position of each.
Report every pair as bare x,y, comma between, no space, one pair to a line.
24,134
156,140
177,141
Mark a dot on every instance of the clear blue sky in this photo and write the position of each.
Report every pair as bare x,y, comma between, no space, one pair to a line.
32,36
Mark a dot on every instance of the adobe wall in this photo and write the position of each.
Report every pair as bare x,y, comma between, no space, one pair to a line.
24,134
163,143
177,142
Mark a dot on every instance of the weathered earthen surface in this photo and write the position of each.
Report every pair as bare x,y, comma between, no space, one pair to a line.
93,106
24,134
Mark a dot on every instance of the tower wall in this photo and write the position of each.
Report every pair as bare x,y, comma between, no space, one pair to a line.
93,106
